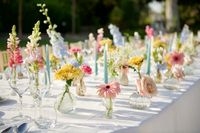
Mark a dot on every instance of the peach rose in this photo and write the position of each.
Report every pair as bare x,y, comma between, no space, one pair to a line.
146,86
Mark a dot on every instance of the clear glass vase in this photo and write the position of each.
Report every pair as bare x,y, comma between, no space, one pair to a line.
108,103
171,84
66,101
80,87
124,76
137,101
158,76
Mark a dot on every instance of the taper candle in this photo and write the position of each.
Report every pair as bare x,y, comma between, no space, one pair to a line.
105,64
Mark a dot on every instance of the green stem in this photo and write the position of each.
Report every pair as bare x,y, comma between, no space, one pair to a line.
109,108
36,80
14,76
62,98
138,72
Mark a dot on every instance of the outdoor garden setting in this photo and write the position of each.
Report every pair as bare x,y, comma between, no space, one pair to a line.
99,66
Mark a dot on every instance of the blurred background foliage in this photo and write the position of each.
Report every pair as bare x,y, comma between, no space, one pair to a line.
128,15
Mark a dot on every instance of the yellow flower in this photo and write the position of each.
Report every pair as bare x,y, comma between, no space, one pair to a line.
136,61
106,41
112,50
166,58
54,59
158,43
67,72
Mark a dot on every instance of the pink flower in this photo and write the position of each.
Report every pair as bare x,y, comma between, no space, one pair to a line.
75,50
11,62
149,31
110,90
178,72
176,58
86,69
15,57
99,38
146,86
40,62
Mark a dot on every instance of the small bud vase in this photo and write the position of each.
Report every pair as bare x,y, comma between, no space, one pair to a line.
124,76
66,101
137,101
80,87
108,103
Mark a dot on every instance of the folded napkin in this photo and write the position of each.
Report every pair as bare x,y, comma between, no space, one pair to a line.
14,128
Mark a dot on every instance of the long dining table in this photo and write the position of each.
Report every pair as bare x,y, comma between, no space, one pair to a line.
171,111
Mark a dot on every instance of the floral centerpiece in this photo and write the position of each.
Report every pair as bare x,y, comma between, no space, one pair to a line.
175,61
108,92
34,58
112,58
57,41
86,70
15,57
146,87
159,49
65,102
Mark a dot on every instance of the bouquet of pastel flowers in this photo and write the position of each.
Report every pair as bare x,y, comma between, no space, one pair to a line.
15,56
66,100
78,61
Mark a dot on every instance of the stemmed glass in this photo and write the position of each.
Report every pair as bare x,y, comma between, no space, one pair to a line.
39,89
19,79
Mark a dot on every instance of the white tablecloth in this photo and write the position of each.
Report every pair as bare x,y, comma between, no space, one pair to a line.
170,111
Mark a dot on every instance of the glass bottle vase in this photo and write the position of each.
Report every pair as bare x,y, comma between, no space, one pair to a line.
137,101
108,103
158,76
66,101
80,87
124,76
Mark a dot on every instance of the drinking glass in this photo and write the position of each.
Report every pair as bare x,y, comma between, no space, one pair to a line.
39,89
19,79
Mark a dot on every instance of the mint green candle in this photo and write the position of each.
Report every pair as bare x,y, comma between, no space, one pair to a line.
105,65
148,69
95,60
47,62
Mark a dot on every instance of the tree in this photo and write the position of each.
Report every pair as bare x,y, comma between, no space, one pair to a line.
172,16
73,16
20,17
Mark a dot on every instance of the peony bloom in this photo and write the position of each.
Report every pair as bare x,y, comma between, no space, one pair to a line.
110,90
149,31
178,72
176,58
75,50
146,86
86,69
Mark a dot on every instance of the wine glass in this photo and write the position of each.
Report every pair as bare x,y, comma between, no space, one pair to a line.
19,79
39,89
